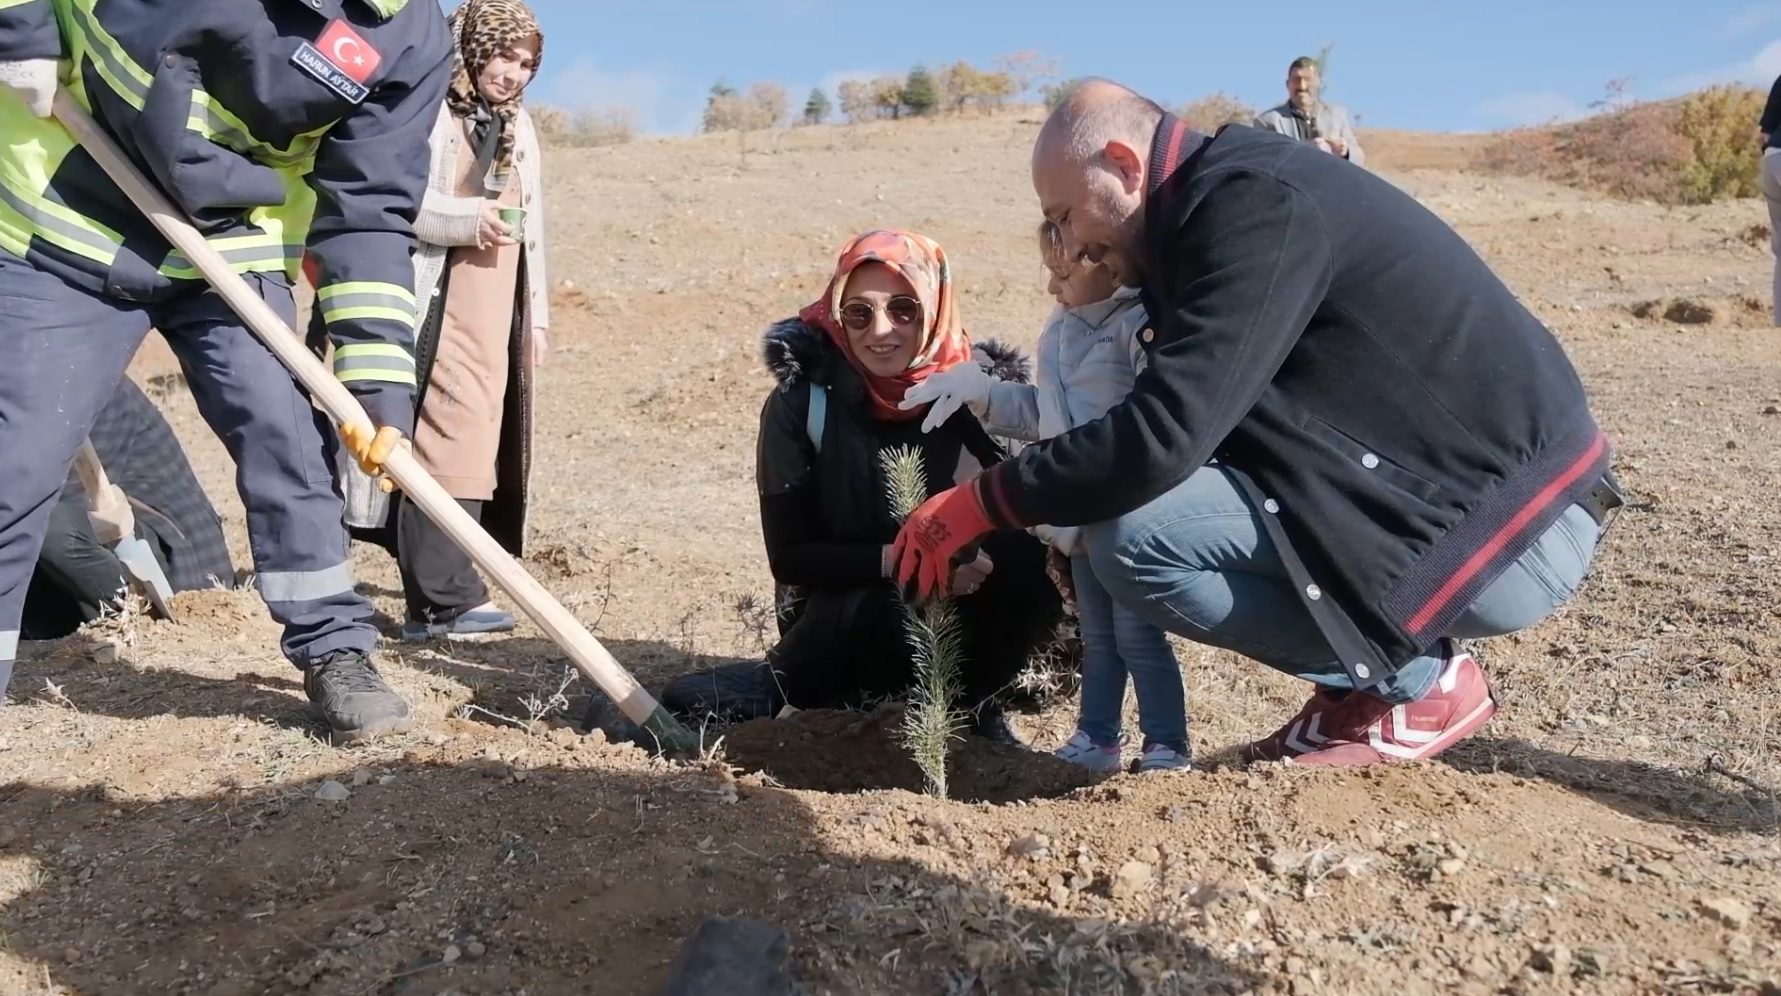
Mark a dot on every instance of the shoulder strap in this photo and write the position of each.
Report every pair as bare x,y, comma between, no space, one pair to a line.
816,415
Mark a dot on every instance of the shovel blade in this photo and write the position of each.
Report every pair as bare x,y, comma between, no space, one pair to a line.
145,574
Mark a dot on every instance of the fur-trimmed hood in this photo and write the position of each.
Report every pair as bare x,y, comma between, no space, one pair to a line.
795,352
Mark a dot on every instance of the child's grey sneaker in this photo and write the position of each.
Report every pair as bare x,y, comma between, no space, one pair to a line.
476,622
1161,757
1080,750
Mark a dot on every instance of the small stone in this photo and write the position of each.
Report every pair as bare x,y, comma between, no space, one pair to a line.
1731,912
107,652
475,948
433,738
1033,846
1133,879
1149,855
7,836
373,926
1554,959
361,778
519,774
385,779
1591,962
332,791
1771,409
451,954
70,955
1450,866
1059,895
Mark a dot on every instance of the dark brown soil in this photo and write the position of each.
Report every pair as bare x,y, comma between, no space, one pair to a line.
825,750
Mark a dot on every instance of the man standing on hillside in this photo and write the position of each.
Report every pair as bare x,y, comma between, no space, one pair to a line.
275,127
1404,455
1308,118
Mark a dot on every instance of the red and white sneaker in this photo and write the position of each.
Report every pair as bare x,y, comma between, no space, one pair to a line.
1358,729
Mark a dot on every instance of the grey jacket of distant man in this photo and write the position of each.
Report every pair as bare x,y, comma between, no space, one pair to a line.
1331,120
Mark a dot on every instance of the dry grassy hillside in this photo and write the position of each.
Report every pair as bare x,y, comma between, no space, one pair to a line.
1613,831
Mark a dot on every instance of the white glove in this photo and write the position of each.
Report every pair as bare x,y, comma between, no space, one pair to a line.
963,384
34,81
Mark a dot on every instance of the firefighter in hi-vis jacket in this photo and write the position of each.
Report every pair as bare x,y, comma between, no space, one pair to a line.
277,126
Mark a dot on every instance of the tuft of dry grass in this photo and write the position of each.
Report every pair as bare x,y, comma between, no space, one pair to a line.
1695,149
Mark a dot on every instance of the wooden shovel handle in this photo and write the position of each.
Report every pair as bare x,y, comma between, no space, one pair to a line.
564,629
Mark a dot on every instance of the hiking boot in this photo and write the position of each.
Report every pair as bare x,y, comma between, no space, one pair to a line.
1162,757
346,691
1357,729
734,693
477,621
1083,751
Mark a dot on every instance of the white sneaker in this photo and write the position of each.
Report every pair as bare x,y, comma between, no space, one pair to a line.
1080,750
1157,757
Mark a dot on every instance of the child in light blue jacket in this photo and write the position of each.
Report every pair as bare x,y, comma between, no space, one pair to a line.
1088,358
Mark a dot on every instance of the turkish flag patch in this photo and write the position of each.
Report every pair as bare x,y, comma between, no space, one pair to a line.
353,55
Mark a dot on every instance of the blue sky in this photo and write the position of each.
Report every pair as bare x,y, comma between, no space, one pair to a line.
1422,64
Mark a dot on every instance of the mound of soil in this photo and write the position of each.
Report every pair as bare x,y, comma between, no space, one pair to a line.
825,750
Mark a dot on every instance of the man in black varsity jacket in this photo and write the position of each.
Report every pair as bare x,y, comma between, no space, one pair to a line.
1350,448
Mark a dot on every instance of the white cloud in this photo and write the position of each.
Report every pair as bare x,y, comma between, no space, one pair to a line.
661,103
1758,70
1531,107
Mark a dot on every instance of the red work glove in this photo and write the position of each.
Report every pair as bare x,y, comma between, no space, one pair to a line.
934,536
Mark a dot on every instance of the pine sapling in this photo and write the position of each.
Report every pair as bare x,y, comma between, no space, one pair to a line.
932,719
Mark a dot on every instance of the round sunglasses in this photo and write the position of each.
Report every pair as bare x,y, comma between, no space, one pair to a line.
902,310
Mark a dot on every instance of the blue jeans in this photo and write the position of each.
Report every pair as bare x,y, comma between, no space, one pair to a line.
1117,641
1198,562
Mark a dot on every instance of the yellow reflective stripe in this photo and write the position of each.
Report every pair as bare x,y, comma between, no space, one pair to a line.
57,224
243,253
216,123
360,300
367,312
387,8
379,361
332,291
385,349
128,79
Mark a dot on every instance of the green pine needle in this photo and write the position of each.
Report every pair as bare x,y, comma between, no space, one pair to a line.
931,719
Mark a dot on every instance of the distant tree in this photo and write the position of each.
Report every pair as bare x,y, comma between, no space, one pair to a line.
857,100
817,108
1029,68
887,96
768,106
724,109
955,85
1214,111
1054,93
994,88
919,94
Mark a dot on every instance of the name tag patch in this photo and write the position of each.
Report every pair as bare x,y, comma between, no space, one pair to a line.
341,60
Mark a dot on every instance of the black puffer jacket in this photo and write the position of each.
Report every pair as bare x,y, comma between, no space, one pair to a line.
825,519
832,505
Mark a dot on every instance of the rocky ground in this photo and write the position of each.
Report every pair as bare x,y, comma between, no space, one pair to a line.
171,821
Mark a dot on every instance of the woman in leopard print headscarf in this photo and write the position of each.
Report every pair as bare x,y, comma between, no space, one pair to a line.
481,281
496,40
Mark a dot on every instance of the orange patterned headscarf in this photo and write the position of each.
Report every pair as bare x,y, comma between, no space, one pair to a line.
944,343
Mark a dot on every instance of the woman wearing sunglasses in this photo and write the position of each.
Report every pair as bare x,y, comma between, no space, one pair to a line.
888,320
